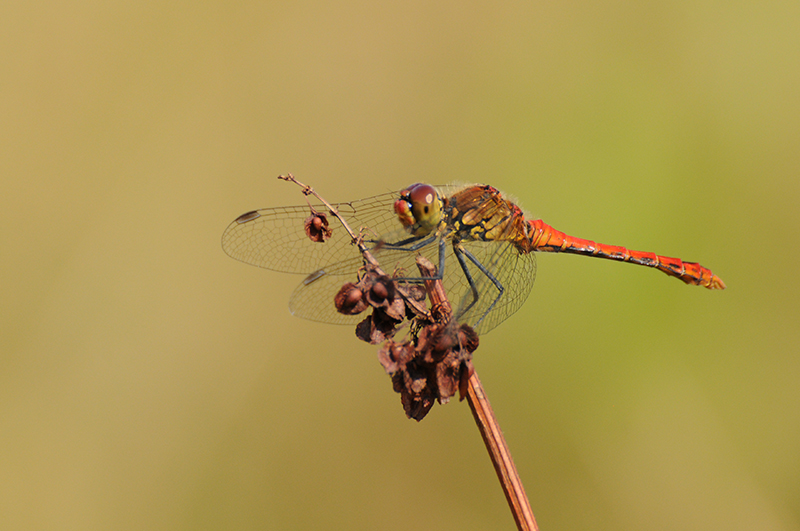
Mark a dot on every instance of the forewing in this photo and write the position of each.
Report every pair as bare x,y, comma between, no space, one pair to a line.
275,238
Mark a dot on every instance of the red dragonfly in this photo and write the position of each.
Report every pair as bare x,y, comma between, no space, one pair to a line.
482,242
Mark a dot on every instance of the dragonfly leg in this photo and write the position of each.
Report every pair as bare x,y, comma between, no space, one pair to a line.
403,245
439,274
459,250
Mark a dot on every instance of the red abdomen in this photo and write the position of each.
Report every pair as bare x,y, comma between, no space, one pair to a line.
543,237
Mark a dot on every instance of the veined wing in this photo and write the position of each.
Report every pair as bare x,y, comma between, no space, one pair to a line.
313,298
275,238
514,271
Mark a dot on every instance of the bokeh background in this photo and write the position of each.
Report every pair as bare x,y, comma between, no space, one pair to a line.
148,381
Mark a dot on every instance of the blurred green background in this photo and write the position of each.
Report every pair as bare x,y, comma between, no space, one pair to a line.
148,381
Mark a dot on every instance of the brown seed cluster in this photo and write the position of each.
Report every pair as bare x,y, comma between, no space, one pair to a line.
433,367
434,363
435,360
386,298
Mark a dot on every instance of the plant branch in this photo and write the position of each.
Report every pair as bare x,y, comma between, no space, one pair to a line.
487,423
501,457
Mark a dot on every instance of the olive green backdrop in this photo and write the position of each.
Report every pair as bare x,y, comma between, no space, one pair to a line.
148,381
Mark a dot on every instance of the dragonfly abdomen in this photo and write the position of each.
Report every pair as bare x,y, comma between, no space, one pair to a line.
542,237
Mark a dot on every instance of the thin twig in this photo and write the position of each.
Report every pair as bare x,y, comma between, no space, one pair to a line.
501,457
487,423
307,190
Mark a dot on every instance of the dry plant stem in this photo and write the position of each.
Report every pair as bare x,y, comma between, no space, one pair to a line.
501,458
487,424
307,190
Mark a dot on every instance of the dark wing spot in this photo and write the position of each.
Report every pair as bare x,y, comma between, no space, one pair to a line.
316,275
249,216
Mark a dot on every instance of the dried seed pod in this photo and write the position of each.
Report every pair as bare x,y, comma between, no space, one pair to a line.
316,226
350,300
433,367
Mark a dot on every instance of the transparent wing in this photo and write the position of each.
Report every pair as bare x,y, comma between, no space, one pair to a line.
275,238
313,298
514,271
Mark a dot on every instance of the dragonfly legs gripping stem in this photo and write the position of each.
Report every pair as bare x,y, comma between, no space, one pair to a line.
460,253
402,246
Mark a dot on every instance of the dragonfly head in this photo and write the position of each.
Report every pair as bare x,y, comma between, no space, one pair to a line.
419,209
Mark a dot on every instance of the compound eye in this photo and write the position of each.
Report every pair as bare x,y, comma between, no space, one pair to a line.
419,209
421,196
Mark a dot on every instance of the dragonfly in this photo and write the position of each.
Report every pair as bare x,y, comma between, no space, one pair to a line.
482,242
